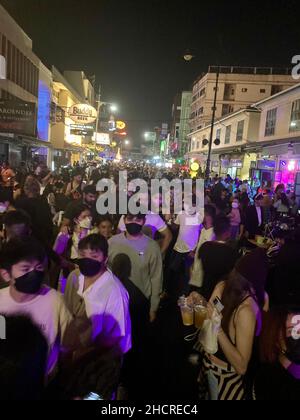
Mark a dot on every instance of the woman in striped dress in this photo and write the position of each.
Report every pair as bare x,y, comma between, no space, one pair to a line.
244,299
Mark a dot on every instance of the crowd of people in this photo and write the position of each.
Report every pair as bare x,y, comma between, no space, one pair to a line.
81,292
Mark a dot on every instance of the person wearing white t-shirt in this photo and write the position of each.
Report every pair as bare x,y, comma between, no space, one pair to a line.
22,264
207,235
98,300
189,222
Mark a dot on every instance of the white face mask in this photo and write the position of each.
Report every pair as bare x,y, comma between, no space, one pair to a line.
86,223
235,205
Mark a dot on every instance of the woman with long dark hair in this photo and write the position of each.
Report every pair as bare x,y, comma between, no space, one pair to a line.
278,377
244,299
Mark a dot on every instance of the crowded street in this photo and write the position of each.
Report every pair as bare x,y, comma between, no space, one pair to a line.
146,259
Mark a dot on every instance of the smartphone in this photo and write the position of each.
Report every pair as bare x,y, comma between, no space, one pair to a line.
218,305
93,397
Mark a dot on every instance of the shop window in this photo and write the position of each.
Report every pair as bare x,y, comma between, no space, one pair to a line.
240,131
295,116
228,134
271,122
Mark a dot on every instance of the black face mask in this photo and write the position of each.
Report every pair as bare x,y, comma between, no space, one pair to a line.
89,267
134,229
30,283
293,350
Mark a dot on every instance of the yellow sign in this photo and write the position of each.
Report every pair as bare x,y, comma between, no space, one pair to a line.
83,113
195,167
120,125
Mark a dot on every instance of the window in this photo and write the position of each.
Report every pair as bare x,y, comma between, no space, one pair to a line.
276,89
262,90
295,117
200,111
227,109
228,134
218,134
202,92
240,131
198,145
271,122
244,90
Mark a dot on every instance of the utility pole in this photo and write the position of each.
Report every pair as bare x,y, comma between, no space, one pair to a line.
98,100
208,164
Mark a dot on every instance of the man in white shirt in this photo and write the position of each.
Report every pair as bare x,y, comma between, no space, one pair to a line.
98,300
189,222
207,235
23,265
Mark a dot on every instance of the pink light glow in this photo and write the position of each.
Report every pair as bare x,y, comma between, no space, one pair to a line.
292,165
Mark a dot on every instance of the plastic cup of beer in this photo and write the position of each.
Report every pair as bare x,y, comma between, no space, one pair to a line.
200,313
187,313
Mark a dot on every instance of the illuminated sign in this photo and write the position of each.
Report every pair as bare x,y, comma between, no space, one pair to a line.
120,125
195,167
44,111
83,113
2,67
82,129
112,125
102,138
18,117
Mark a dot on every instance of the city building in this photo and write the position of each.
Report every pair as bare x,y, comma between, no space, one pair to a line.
181,112
25,96
238,88
279,137
259,142
231,135
71,142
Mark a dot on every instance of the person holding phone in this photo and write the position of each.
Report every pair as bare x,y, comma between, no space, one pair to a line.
243,299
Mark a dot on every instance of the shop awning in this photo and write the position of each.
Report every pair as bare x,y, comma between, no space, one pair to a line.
24,140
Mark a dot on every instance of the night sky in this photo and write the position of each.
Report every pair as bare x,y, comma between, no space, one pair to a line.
135,46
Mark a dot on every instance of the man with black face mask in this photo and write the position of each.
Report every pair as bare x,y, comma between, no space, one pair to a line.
22,265
145,257
98,300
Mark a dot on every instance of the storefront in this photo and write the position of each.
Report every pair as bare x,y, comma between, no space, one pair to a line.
264,171
287,172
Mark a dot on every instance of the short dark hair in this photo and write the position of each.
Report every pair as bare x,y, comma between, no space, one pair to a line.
78,209
18,250
90,189
221,225
17,217
139,216
94,242
210,211
5,195
102,219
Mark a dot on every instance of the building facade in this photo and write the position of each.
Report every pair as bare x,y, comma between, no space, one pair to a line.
238,88
181,112
69,142
232,134
279,136
23,97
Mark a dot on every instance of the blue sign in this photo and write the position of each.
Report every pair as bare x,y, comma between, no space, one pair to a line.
44,106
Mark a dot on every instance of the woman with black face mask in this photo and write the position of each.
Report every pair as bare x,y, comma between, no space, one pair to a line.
278,377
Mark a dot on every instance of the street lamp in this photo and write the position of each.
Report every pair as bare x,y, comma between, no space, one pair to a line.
114,108
127,142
